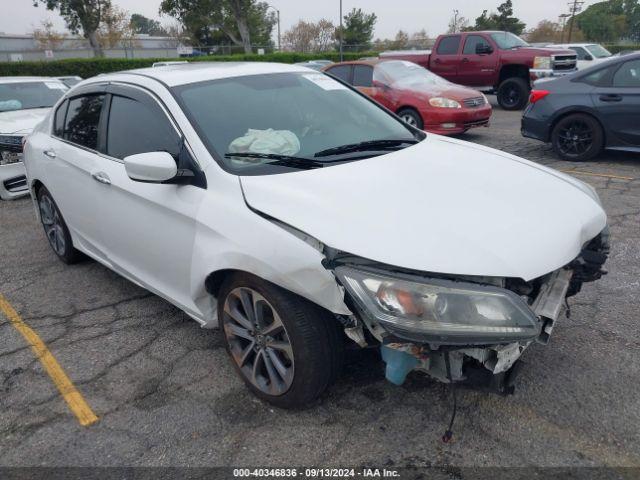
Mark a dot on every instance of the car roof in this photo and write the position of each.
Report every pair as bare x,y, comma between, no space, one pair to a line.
27,79
193,72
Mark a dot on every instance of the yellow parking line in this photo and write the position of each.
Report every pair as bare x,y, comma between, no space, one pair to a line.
603,175
71,395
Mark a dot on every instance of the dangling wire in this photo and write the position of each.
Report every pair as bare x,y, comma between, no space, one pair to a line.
449,433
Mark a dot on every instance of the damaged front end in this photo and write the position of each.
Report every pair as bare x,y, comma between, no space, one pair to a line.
457,328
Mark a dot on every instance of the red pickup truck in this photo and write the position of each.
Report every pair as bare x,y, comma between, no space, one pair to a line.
497,61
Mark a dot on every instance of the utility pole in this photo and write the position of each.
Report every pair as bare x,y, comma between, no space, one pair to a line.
455,21
341,33
575,6
563,23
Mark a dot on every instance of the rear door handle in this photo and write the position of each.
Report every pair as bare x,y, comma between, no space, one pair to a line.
50,153
101,177
465,60
611,98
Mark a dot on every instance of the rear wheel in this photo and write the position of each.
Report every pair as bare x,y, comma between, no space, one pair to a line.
577,137
286,349
55,228
513,93
412,117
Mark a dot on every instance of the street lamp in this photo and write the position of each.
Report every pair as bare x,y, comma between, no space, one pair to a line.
341,33
278,16
455,21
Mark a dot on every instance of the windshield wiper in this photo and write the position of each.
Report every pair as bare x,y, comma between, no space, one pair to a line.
370,145
284,160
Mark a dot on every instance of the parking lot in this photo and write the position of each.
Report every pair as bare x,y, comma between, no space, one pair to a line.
165,393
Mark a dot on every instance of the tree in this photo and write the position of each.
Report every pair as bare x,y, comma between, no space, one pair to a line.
116,29
503,20
610,21
401,41
146,26
419,39
358,28
80,15
308,37
46,37
545,31
235,20
458,24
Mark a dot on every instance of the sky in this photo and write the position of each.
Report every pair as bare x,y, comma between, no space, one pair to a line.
393,15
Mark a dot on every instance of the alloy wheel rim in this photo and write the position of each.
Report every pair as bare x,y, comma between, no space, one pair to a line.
575,139
511,96
258,341
52,224
410,120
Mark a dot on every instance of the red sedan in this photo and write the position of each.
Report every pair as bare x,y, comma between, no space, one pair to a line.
417,95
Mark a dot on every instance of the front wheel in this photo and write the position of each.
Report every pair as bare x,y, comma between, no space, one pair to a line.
55,228
286,349
513,93
577,137
412,117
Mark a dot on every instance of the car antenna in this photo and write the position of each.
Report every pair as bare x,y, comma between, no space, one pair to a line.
446,438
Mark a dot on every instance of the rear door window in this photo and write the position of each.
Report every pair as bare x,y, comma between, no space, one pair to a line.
137,127
82,120
449,45
362,76
343,72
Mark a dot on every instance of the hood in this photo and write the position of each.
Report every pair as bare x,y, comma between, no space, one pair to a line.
546,51
21,121
448,90
442,206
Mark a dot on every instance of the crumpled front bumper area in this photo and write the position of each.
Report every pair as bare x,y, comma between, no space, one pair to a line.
495,367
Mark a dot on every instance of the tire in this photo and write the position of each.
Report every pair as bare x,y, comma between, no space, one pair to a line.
577,137
296,349
513,93
412,117
56,229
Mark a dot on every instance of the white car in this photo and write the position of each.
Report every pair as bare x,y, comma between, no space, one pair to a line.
295,213
589,54
24,102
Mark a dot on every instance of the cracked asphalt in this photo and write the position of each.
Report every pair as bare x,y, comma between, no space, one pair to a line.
166,394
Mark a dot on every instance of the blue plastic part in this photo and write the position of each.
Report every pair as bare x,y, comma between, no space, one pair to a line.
399,364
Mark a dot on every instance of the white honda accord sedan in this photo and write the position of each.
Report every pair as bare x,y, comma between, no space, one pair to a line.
303,218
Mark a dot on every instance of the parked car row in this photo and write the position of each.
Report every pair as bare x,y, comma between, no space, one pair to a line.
302,218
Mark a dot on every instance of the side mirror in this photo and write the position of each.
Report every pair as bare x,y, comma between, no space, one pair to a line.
588,58
483,49
153,167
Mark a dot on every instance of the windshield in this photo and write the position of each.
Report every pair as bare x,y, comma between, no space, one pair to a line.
406,74
598,51
23,95
282,120
507,40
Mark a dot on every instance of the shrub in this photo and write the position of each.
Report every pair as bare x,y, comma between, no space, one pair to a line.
89,67
619,48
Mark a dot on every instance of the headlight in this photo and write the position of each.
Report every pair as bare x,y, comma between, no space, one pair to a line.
542,62
441,311
443,103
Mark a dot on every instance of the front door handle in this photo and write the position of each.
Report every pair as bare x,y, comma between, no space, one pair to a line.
50,153
101,177
611,98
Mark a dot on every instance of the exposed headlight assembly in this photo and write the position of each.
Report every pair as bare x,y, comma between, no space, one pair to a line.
444,103
441,311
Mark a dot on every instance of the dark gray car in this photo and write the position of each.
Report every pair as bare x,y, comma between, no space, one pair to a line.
591,110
